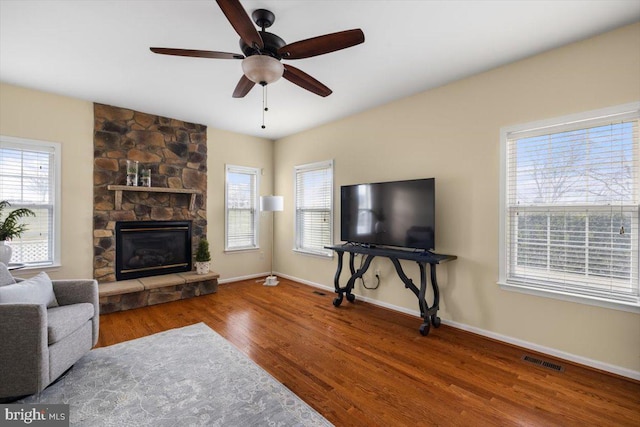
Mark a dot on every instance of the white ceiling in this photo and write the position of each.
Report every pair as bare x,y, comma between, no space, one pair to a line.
99,51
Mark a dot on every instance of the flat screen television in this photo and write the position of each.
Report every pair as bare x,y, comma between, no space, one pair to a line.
397,213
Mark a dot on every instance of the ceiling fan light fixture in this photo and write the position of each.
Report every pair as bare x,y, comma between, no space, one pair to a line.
262,69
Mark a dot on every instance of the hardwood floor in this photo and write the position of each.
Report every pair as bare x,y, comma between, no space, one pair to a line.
362,365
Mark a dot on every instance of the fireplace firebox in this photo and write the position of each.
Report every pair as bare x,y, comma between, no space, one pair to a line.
151,248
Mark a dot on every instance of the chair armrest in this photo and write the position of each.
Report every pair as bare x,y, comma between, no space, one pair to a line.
78,291
24,352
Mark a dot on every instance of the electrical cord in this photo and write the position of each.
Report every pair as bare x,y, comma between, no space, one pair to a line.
376,286
362,277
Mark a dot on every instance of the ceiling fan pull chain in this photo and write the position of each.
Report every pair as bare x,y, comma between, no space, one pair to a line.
264,103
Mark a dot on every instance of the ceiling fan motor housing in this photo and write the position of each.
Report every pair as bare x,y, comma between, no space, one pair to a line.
271,45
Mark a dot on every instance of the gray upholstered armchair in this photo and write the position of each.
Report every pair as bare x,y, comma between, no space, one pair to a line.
40,341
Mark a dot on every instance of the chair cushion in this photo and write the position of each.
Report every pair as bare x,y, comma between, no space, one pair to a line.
36,290
5,277
63,320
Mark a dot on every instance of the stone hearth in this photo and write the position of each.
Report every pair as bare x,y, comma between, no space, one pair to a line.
136,293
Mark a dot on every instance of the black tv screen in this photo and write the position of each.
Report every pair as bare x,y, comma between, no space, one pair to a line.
397,213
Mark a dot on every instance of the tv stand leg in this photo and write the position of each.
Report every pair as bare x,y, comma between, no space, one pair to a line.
436,297
428,314
355,275
336,280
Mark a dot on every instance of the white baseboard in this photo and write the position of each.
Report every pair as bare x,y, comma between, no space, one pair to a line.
239,278
618,370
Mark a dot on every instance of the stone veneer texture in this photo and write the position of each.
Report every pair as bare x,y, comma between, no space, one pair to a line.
176,153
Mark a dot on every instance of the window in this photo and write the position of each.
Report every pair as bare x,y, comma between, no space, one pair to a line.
241,195
29,178
314,210
570,207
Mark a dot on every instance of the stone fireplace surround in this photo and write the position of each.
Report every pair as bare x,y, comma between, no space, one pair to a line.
176,153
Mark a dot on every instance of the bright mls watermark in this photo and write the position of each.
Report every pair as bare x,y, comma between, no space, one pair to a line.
42,415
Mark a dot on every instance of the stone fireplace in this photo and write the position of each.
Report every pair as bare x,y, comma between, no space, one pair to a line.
174,151
150,248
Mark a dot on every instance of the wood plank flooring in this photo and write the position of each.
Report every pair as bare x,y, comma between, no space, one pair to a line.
362,365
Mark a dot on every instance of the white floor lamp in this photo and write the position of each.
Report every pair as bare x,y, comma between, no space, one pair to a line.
271,204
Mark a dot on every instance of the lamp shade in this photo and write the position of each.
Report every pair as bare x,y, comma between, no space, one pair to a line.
262,69
271,203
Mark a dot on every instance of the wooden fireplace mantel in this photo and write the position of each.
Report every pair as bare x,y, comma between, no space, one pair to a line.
120,188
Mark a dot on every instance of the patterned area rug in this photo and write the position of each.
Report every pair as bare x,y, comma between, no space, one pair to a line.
188,376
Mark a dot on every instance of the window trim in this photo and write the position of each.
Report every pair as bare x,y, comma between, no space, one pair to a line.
256,216
327,254
57,194
558,124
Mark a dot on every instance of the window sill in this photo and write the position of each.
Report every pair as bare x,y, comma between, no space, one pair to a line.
240,250
580,299
30,269
314,254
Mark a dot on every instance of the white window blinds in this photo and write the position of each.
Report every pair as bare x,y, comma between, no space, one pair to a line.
27,180
314,213
571,214
241,208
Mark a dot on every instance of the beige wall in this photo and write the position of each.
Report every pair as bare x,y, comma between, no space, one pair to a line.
37,115
239,150
43,116
452,133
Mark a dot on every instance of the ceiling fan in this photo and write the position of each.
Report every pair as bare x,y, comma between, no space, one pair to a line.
263,51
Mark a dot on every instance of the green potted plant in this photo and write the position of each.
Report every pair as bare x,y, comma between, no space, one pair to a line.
203,257
11,228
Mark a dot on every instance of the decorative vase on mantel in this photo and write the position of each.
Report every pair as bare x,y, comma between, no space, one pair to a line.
5,252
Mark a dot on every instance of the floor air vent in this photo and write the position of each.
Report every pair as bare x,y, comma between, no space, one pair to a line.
543,363
319,293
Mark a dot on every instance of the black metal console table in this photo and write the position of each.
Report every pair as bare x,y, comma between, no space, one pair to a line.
422,258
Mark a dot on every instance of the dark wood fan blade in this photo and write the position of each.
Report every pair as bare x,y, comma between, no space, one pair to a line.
321,44
196,53
241,22
243,87
305,81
